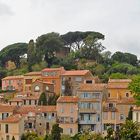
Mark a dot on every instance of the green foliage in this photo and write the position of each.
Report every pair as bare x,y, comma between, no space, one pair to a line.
91,49
118,76
55,133
130,114
134,87
52,100
39,66
66,137
13,138
31,54
48,44
125,58
13,52
42,99
130,130
74,39
30,136
110,135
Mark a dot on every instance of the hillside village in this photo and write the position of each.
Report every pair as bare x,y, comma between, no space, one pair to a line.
68,87
84,103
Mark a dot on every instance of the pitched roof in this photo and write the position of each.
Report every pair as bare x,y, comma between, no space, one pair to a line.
7,108
118,83
35,109
75,73
41,81
53,69
16,99
37,73
40,109
26,109
13,77
12,119
31,98
67,99
119,80
91,87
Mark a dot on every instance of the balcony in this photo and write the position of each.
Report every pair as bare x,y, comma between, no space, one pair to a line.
66,121
109,109
83,110
87,122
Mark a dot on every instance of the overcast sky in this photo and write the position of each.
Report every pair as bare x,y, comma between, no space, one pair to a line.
118,20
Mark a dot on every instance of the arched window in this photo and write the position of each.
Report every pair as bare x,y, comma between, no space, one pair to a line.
37,88
47,88
108,95
127,94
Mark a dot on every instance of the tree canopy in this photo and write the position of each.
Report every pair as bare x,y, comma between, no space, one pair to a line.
13,52
134,87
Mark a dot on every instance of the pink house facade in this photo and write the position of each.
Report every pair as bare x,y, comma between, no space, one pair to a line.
13,83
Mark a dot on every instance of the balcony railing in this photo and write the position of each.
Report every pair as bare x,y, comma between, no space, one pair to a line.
111,109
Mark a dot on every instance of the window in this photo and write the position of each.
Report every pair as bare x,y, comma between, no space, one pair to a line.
30,125
113,115
35,102
110,105
45,115
127,94
24,102
71,110
29,102
121,117
7,137
52,114
89,117
108,95
78,79
62,110
70,130
6,128
28,81
98,117
47,126
105,115
37,88
82,117
40,124
88,81
71,120
47,88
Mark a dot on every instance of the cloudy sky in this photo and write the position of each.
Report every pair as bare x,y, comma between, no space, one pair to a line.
118,20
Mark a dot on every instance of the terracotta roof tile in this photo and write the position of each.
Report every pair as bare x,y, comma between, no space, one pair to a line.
7,108
92,87
13,77
75,72
31,98
35,109
37,73
40,109
119,80
110,86
53,69
12,119
67,99
16,99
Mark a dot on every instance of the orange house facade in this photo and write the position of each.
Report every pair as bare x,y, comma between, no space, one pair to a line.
53,75
118,103
67,114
